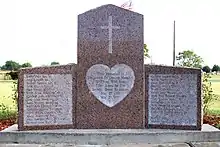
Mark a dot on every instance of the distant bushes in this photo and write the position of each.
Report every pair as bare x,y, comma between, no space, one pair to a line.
7,113
13,75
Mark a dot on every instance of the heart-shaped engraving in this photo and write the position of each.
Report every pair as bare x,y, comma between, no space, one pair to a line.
110,86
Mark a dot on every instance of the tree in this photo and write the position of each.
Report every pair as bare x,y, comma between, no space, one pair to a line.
27,64
146,51
206,69
11,65
54,63
189,59
215,68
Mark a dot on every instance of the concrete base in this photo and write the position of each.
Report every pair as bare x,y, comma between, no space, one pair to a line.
103,137
204,144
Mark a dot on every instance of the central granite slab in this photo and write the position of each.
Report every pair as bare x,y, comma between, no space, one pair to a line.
110,74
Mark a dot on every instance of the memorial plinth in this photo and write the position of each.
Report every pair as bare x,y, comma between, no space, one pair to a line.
109,136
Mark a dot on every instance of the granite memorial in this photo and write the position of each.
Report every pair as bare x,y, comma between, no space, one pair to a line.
109,87
47,97
110,77
173,97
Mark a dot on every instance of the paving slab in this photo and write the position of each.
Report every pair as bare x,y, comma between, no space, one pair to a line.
109,136
206,144
69,145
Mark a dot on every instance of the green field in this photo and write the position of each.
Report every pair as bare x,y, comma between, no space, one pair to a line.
6,92
8,109
215,80
215,106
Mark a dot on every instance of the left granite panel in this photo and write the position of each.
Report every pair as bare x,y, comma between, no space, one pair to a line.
46,97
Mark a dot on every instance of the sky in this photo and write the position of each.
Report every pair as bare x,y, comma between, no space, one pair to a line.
42,31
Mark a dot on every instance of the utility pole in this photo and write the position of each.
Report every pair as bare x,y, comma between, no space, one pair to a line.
174,43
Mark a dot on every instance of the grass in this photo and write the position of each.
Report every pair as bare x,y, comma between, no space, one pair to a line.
216,86
7,113
6,87
7,105
6,92
214,111
215,105
2,74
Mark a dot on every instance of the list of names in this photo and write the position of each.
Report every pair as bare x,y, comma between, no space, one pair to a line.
47,99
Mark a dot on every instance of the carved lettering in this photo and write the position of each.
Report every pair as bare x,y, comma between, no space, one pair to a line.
172,99
47,99
110,86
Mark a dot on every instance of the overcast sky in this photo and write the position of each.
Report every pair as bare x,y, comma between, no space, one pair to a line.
42,31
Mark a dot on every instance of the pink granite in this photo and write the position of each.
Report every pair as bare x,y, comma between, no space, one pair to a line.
47,97
173,97
102,103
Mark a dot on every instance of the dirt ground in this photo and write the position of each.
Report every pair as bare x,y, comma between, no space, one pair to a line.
212,120
6,123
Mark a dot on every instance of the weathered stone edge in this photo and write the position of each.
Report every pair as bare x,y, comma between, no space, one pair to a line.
108,139
202,144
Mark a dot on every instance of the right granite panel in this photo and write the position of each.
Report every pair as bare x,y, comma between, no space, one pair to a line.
173,97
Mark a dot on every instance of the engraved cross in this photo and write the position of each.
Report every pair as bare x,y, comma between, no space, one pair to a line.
110,27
